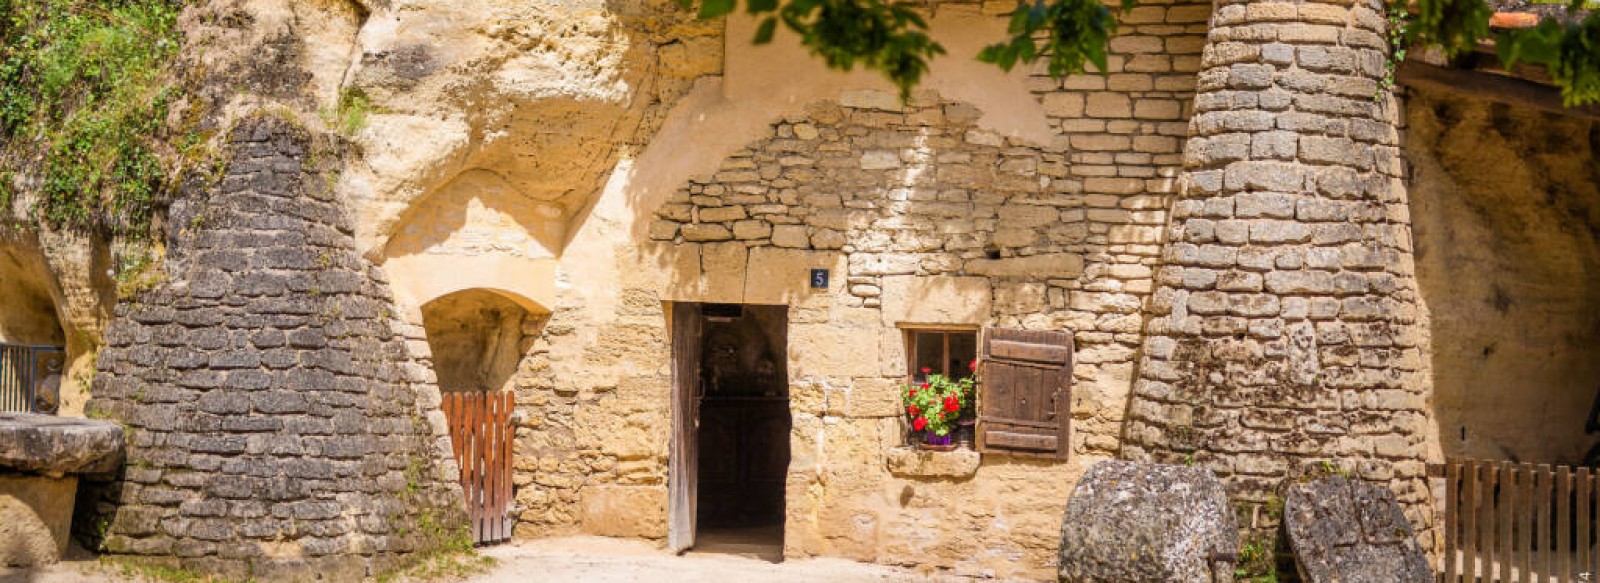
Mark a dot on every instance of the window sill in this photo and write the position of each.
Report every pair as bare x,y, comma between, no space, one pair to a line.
917,463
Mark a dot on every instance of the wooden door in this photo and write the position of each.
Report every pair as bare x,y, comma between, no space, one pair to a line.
481,437
683,453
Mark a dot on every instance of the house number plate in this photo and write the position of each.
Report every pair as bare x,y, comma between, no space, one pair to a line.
819,279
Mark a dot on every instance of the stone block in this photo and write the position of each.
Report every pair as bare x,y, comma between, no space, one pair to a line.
1130,521
708,273
47,444
35,518
1348,530
608,510
1050,265
941,300
870,99
845,345
783,276
914,463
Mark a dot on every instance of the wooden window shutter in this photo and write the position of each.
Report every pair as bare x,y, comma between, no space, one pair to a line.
1025,396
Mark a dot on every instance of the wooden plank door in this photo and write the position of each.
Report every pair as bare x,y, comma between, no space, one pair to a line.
481,436
683,460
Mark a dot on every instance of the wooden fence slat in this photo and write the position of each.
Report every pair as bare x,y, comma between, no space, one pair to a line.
1452,491
1563,522
1542,565
1498,493
509,436
1583,522
501,454
475,437
1525,521
1469,532
491,461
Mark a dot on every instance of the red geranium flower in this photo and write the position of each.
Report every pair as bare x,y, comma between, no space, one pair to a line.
912,410
973,366
926,385
926,370
951,404
919,424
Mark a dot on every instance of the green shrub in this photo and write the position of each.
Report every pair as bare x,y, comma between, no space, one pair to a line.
84,92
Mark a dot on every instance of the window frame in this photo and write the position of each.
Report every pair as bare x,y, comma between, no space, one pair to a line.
910,338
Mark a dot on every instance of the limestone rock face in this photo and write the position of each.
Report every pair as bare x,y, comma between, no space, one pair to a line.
1130,521
544,94
1352,531
45,444
281,428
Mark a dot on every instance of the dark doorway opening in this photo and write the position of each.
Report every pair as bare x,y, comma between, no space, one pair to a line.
742,437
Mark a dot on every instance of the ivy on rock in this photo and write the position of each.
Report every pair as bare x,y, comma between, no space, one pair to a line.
85,87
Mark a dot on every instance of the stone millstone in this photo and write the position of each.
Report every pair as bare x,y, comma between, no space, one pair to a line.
1352,532
44,444
1131,521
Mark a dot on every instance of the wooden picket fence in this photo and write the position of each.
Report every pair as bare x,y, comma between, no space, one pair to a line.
481,435
1519,522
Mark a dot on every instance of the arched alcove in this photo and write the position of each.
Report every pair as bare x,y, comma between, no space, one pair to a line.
478,337
32,341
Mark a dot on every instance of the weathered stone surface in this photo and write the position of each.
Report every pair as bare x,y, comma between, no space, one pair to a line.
35,518
915,463
1061,265
47,444
1249,371
1345,530
297,441
1130,521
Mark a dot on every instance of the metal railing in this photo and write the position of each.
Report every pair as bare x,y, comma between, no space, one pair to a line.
25,372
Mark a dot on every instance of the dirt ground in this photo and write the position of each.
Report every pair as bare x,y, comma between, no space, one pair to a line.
586,559
605,560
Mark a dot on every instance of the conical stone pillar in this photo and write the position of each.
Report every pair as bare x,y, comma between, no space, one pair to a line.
1285,327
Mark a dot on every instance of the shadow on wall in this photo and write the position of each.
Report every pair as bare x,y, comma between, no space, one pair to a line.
478,337
27,310
1506,207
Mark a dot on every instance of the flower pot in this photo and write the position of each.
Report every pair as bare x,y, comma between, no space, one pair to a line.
936,442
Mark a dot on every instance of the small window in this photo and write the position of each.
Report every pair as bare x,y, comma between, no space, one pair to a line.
944,352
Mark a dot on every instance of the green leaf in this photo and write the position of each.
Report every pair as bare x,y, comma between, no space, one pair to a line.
765,29
760,6
713,8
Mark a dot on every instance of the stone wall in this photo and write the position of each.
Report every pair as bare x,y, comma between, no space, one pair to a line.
925,216
1285,329
278,427
1506,204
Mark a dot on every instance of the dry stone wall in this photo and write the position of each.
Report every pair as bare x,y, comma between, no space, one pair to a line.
1285,329
277,425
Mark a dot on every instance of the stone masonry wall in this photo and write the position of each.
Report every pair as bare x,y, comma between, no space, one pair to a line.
894,199
277,425
1285,328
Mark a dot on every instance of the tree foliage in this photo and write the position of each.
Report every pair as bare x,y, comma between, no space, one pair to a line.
1571,52
887,36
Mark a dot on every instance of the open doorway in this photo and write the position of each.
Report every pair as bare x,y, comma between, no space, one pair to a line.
732,375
